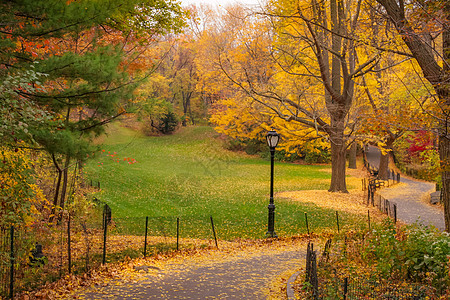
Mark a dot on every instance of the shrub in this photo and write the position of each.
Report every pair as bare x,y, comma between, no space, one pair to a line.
417,252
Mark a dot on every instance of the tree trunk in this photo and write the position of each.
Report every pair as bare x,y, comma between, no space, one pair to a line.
444,138
57,188
352,156
186,96
444,153
338,182
65,182
338,156
383,168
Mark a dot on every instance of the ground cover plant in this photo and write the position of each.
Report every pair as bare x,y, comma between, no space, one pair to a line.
386,262
189,175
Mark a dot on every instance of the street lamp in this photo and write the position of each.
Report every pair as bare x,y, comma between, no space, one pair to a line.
272,141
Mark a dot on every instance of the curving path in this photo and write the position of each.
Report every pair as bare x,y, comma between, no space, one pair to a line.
409,197
236,276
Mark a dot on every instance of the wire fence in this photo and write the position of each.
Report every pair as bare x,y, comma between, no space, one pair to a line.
31,256
34,255
372,184
355,288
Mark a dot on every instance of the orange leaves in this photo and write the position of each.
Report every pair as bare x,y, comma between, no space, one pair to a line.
115,158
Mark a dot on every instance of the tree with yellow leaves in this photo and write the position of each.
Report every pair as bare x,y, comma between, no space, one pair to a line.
20,197
298,62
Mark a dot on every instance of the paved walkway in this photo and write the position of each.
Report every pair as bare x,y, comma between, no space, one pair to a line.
409,197
239,276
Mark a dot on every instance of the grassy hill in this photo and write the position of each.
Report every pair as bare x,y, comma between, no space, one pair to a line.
189,175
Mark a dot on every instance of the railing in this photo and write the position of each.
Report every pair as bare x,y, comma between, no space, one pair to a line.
31,256
347,287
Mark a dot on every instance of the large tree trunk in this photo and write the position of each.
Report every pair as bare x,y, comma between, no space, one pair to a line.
352,156
338,182
444,136
338,157
444,153
383,168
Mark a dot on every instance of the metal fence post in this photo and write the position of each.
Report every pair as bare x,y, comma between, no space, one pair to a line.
337,220
306,221
214,231
11,282
104,240
145,240
69,252
395,213
314,281
178,233
308,261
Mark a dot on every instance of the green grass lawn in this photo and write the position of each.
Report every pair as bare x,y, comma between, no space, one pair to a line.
189,175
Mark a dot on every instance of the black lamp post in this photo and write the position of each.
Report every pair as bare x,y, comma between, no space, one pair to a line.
272,141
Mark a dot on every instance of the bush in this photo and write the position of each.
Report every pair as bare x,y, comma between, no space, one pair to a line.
164,124
418,252
427,255
388,261
318,156
259,147
417,156
168,123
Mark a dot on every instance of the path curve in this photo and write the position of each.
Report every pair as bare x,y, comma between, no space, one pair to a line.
409,197
240,276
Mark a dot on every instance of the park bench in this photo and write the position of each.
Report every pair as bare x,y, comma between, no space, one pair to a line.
373,172
375,183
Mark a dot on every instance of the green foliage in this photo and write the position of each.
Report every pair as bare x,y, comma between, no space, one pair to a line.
19,116
158,117
249,146
317,155
388,261
427,252
419,252
169,123
385,249
259,147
